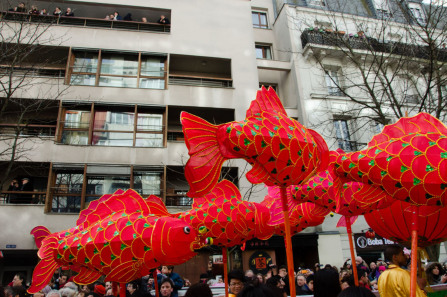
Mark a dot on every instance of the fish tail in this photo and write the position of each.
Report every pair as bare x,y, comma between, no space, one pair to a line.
202,170
44,271
39,233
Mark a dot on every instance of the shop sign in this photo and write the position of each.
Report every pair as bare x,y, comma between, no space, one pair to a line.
259,262
11,246
377,243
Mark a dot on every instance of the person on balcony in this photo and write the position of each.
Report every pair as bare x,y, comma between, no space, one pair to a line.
69,12
20,8
117,17
26,187
163,20
13,187
34,10
57,11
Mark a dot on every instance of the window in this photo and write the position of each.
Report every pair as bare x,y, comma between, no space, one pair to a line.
417,12
343,135
68,194
259,19
412,99
113,126
263,52
382,8
129,70
378,126
316,2
333,82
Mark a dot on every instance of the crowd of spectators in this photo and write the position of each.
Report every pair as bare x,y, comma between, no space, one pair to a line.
327,281
58,12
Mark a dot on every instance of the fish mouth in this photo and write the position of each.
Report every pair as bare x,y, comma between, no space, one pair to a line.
200,243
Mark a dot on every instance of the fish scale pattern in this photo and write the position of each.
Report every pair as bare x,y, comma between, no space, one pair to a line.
281,151
226,218
340,195
408,160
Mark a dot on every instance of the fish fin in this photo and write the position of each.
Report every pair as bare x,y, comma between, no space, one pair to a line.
342,221
224,188
39,233
322,148
44,270
258,174
86,276
125,272
203,167
156,206
128,202
421,123
266,100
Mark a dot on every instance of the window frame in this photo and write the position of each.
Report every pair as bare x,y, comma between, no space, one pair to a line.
337,122
90,129
316,2
260,25
333,83
99,74
57,194
422,19
265,48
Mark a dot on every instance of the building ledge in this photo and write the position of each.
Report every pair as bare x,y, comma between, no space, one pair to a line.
274,65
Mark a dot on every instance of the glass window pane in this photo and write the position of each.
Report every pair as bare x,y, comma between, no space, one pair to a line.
263,19
112,138
69,182
259,53
149,122
147,183
82,80
149,83
109,120
111,81
119,64
268,54
151,66
75,137
85,62
100,185
149,140
255,19
77,119
66,204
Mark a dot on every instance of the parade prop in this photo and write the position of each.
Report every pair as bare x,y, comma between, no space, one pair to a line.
345,197
121,236
223,216
302,215
395,223
408,161
281,151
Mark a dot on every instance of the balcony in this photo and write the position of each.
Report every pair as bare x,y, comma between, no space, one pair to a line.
85,22
340,40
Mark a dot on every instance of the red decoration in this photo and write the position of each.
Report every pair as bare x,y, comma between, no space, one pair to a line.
301,215
370,234
223,216
394,223
121,236
408,160
281,150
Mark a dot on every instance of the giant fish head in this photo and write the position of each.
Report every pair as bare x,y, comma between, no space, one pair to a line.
174,241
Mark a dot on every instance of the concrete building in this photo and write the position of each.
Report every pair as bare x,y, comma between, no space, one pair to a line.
116,89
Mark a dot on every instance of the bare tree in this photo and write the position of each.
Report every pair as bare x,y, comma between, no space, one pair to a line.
386,67
32,68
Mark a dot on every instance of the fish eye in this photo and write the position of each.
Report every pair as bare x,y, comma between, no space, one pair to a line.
187,230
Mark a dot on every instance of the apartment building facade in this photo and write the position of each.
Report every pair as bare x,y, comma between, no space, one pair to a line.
114,91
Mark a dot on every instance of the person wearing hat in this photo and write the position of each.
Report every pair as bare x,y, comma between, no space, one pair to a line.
100,290
25,187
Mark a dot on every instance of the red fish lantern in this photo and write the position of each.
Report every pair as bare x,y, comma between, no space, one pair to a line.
394,223
281,150
118,236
